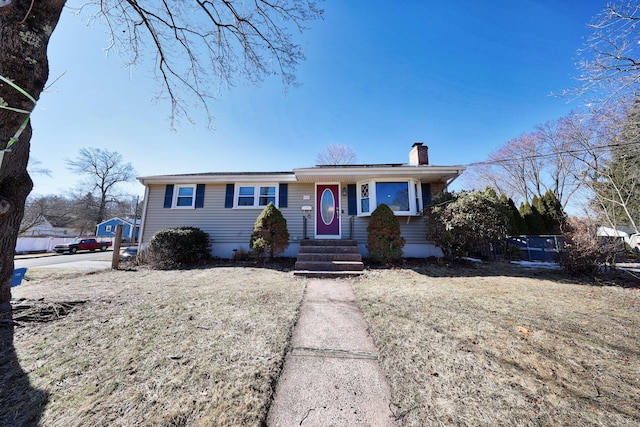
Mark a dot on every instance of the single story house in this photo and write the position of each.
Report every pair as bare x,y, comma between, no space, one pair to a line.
130,228
321,202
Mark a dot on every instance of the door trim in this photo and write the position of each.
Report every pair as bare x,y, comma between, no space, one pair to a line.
317,207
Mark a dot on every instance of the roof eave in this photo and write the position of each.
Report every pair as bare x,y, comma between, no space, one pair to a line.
425,173
218,178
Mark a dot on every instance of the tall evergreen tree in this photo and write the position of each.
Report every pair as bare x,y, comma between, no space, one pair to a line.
532,218
516,225
553,214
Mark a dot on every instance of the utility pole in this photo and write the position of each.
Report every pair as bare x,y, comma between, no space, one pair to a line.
115,260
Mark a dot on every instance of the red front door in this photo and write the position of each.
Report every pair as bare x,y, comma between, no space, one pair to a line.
328,210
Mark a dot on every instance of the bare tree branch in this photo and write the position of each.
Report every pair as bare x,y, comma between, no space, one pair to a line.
610,61
336,154
198,47
203,46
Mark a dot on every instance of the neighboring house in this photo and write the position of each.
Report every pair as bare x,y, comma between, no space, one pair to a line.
41,238
622,233
322,202
65,232
43,228
130,228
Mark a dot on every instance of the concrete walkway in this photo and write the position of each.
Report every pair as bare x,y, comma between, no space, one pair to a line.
331,376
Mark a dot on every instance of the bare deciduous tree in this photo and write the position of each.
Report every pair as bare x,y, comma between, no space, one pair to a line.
526,166
34,214
607,148
76,213
336,154
594,151
584,151
560,164
610,83
35,207
192,44
105,170
610,61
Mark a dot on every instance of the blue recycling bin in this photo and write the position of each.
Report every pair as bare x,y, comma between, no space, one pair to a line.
18,274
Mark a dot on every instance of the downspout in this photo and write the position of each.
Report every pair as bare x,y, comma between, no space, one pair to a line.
144,217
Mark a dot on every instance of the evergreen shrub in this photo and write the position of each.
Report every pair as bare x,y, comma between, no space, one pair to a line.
384,241
176,247
270,234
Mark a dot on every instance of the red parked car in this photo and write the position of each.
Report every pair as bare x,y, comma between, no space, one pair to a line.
81,245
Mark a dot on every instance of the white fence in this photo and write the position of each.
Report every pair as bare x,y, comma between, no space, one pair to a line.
39,244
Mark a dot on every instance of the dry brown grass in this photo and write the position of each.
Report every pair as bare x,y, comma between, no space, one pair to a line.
485,346
495,347
195,347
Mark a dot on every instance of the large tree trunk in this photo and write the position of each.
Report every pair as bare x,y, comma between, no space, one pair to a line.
25,28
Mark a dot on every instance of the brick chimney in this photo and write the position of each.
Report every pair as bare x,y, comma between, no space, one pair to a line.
419,154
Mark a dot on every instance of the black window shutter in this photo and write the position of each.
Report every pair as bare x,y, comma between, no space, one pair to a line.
168,196
426,194
283,196
199,196
352,201
228,197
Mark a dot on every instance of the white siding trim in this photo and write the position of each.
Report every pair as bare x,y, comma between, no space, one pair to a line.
144,215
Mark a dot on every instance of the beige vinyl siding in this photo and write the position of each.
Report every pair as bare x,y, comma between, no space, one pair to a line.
294,214
413,232
224,225
231,228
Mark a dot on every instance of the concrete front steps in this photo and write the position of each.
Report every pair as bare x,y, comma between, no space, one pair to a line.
329,258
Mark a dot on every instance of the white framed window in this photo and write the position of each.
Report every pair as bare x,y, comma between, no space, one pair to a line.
255,196
246,196
364,198
108,227
184,196
402,196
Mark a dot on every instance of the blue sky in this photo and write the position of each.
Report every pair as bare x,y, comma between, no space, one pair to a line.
463,77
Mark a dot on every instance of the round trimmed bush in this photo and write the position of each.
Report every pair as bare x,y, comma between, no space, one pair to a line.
176,247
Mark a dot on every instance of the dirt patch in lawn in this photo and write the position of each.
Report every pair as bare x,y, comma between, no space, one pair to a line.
498,346
195,347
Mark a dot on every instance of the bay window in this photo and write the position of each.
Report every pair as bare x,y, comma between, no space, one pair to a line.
402,196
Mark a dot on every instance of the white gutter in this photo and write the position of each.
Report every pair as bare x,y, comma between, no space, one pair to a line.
215,178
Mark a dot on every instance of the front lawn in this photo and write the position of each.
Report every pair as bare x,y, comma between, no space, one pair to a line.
198,347
498,345
484,345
